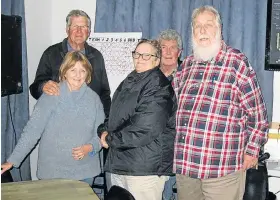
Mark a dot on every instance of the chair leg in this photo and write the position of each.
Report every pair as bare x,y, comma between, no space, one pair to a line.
105,152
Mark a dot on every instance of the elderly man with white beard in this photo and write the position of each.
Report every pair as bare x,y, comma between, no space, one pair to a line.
221,120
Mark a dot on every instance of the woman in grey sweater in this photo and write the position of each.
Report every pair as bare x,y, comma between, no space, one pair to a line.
66,126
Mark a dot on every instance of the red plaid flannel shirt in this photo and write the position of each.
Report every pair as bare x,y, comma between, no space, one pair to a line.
221,115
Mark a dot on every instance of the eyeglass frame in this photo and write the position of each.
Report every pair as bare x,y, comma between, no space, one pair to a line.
76,27
142,55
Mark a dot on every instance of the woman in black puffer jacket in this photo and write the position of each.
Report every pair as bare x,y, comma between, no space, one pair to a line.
141,129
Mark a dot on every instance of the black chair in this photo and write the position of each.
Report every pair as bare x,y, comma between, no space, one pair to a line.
103,185
256,187
118,193
256,184
6,177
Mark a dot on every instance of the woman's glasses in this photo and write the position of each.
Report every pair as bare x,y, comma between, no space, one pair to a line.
145,56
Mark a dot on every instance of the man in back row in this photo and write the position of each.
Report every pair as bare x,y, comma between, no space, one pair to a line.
171,46
221,121
78,26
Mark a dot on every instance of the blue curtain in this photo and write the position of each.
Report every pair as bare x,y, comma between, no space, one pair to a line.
244,26
11,130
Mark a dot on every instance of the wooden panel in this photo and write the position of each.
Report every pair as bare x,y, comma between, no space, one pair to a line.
274,125
273,135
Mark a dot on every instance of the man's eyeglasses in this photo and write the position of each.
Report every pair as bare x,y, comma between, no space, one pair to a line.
76,27
171,48
145,56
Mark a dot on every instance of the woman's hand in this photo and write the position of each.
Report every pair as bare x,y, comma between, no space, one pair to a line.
6,166
80,152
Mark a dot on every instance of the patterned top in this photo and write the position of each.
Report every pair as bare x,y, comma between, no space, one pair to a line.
221,115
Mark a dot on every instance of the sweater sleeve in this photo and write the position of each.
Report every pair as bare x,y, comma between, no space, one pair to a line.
99,119
33,130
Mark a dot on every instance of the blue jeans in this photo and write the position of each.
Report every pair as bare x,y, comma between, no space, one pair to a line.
88,181
97,191
168,192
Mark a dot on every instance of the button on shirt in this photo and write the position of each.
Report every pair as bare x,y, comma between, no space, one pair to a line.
221,115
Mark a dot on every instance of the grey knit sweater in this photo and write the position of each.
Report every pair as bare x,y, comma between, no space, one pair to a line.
62,123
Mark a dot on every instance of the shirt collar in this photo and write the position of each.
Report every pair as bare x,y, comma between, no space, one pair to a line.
71,49
171,76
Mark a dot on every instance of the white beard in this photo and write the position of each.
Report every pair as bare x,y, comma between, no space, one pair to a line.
206,53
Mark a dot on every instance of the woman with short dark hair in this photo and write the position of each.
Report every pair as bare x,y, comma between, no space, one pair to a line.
141,128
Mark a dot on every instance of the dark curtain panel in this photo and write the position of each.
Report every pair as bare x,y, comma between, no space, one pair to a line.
18,102
244,26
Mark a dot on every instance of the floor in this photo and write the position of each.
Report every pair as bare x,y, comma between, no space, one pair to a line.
274,183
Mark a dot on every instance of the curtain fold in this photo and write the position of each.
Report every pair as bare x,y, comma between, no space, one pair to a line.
18,103
244,26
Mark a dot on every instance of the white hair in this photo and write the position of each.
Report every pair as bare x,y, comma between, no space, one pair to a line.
171,34
77,13
211,9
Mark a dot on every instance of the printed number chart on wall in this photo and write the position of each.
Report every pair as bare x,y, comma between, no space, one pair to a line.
116,49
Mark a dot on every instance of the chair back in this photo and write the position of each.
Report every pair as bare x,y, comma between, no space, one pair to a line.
118,193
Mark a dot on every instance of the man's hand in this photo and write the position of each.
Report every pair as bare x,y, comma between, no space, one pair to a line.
51,88
103,141
6,166
249,162
78,153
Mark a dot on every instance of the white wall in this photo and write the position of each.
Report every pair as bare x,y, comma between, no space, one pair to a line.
37,35
276,98
60,10
45,25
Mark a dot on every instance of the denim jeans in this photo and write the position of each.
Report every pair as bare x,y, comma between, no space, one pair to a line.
168,189
97,191
88,181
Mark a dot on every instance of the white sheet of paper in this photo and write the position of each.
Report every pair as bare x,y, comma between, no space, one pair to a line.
116,49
